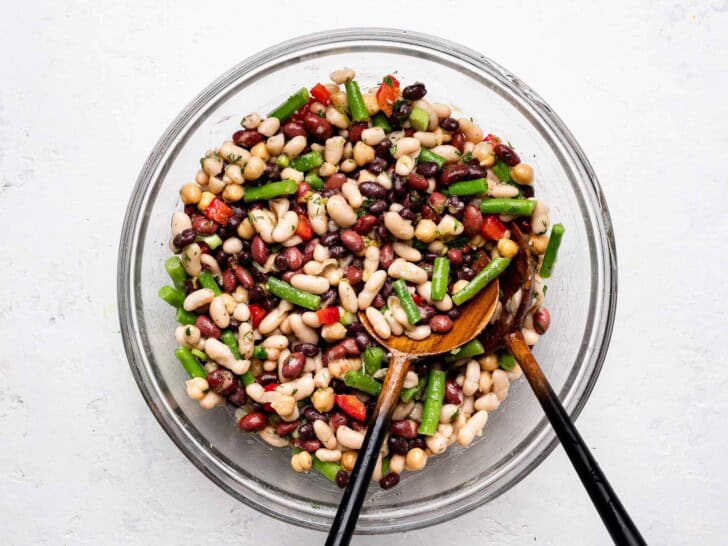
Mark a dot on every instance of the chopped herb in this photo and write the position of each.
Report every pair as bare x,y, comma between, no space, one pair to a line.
467,157
393,150
503,172
419,245
234,158
455,415
388,80
458,242
187,331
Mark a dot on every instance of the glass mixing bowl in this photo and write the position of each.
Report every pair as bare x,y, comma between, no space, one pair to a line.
581,294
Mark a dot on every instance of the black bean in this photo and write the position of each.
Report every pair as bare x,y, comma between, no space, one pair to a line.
382,233
328,193
329,297
382,149
272,171
256,293
466,273
387,289
281,262
407,214
342,478
398,445
355,327
449,124
527,191
310,413
373,190
267,377
306,432
428,169
330,238
378,207
426,312
401,111
187,237
454,313
399,185
467,260
234,324
308,349
455,205
389,481
363,341
418,442
415,91
430,256
337,251
475,171
377,166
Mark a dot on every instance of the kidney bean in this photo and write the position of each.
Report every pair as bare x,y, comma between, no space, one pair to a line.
541,320
363,341
187,237
293,257
417,181
308,250
350,346
190,210
207,327
203,225
382,149
389,481
453,393
259,250
330,238
353,274
310,413
355,131
352,240
458,140
272,171
311,445
453,173
455,255
221,381
256,294
427,169
266,378
523,223
506,155
337,251
228,280
406,428
238,397
475,171
430,256
337,420
527,191
466,273
386,256
334,353
378,301
308,349
454,313
377,166
288,275
357,426
455,206
472,220
427,311
468,259
407,214
294,129
437,202
415,91
303,189
293,366
285,428
247,138
382,233
335,181
270,302
398,445
342,479
449,124
318,127
365,224
372,190
281,262
377,208
418,442
253,422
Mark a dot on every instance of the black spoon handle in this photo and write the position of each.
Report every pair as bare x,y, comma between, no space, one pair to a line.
350,505
615,517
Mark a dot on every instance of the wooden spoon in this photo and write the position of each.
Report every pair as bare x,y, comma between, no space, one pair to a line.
403,351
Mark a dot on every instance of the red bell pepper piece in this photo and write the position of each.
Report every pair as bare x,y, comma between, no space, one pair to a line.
493,228
321,94
304,230
492,139
218,211
387,94
257,313
419,300
328,315
352,406
270,387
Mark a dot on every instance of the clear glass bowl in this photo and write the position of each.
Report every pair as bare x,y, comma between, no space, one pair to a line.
581,294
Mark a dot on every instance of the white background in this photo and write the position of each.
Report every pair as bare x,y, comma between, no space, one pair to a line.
86,88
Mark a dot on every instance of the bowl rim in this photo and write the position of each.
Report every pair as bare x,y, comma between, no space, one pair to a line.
392,36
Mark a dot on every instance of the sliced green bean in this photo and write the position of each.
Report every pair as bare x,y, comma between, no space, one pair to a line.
206,280
199,354
380,120
372,359
283,161
327,469
487,275
229,339
173,296
308,161
292,103
270,191
430,157
213,241
433,402
191,366
407,395
356,102
478,186
260,353
511,207
419,119
440,277
298,297
360,381
408,304
507,361
471,348
385,466
176,271
549,258
185,317
314,180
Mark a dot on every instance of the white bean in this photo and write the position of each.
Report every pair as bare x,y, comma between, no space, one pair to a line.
442,110
419,333
427,139
336,118
191,259
295,146
310,319
334,149
371,288
501,384
425,290
398,226
402,410
339,367
347,296
450,226
379,323
233,154
269,435
211,400
328,455
325,434
408,252
501,190
221,353
402,269
371,262
349,438
196,388
286,227
406,146
394,325
372,136
273,319
263,221
384,180
405,165
448,152
351,192
298,388
333,332
540,218
472,376
531,336
340,211
218,313
275,144
487,402
246,340
180,222
317,215
309,283
474,427
269,127
342,76
198,298
436,443
301,331
410,380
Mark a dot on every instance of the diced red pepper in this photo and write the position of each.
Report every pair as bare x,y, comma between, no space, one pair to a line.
321,94
218,211
328,315
419,300
304,230
270,387
352,406
492,139
257,313
387,94
493,228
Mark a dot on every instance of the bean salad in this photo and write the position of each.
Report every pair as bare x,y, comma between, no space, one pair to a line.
338,202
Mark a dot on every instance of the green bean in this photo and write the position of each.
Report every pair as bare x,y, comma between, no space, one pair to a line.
385,466
487,275
478,186
372,359
433,402
502,171
419,119
356,102
176,271
308,161
431,157
327,469
185,317
507,361
407,395
283,161
380,120
440,276
213,241
191,366
260,353
314,180
292,103
358,380
270,191
199,354
511,207
408,304
298,297
549,258
229,339
206,280
173,296
471,348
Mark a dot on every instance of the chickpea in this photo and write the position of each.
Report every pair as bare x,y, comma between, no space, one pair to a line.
539,243
246,230
507,248
426,231
363,153
190,194
323,399
302,461
347,166
232,193
260,150
348,460
254,168
522,173
416,459
489,362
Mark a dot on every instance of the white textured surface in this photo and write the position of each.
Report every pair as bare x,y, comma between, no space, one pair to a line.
86,89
